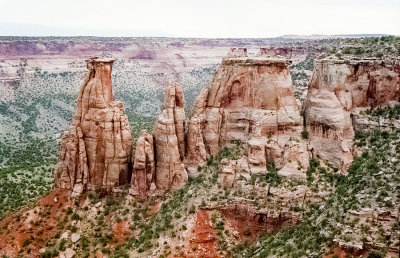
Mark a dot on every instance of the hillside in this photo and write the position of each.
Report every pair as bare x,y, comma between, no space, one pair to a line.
288,150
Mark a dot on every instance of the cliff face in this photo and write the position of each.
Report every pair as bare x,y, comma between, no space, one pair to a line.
96,151
338,90
250,100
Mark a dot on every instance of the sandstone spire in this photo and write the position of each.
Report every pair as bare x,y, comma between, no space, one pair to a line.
169,137
96,151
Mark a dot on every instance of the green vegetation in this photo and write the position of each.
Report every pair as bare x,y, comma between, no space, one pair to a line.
386,112
26,174
306,64
374,174
271,177
366,47
304,134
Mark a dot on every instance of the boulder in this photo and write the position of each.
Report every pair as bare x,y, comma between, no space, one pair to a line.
68,253
228,173
75,237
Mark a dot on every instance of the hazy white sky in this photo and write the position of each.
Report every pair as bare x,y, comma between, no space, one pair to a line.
212,18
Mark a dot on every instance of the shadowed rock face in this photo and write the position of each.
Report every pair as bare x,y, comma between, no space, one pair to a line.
169,137
250,100
96,151
143,177
338,89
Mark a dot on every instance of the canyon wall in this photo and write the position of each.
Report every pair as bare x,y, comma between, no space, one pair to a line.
250,100
338,91
96,151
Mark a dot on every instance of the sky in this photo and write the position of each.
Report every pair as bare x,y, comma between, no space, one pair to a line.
201,18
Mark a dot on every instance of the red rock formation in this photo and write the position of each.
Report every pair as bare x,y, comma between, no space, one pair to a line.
250,223
143,177
339,88
250,100
196,150
169,137
228,173
96,151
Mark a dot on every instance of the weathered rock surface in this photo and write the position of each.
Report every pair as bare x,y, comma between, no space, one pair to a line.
143,177
337,91
68,253
250,100
169,137
196,150
228,173
96,151
75,237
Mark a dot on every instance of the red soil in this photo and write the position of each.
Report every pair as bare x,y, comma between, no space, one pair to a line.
30,228
202,239
120,231
342,252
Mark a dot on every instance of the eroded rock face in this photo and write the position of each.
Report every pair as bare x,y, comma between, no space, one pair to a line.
96,151
169,137
143,177
196,150
228,172
250,100
338,89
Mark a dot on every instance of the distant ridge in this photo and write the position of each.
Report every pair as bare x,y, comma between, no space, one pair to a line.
36,30
321,36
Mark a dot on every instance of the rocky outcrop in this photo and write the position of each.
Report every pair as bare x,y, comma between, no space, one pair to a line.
338,90
96,151
196,150
143,177
250,100
169,137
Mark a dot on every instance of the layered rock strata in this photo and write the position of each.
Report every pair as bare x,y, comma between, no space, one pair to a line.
250,100
338,90
169,137
96,151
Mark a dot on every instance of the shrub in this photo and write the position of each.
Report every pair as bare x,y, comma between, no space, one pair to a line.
75,216
304,134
